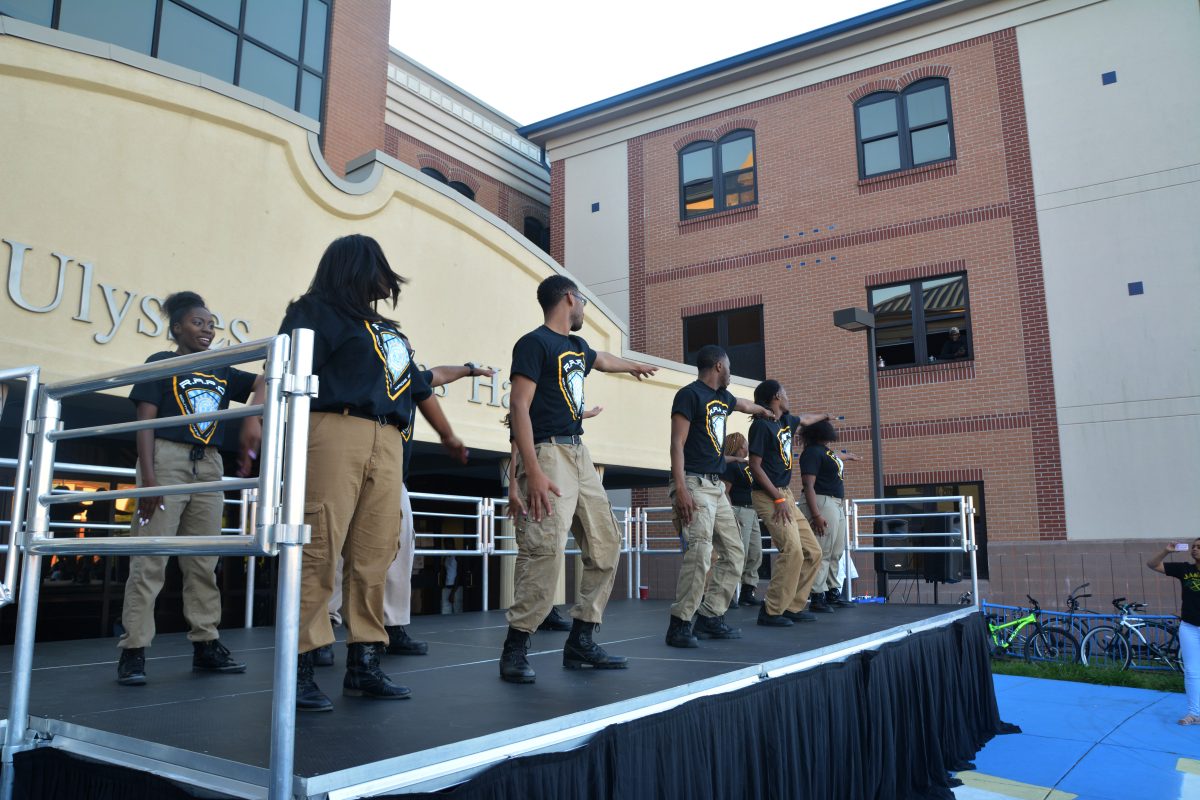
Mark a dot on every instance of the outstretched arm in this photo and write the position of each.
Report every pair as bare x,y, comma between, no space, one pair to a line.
448,373
607,362
753,409
1156,563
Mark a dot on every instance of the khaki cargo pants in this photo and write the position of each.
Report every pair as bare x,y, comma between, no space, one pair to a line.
183,515
397,590
833,543
747,520
794,570
540,545
713,527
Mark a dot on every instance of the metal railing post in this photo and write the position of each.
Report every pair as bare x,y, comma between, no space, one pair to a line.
267,511
38,524
20,485
968,514
487,522
848,583
294,535
248,516
628,528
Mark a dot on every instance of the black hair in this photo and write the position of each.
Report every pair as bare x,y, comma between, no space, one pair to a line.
176,307
819,432
350,275
709,356
553,289
765,392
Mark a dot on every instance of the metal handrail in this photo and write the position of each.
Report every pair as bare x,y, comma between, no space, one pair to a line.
16,520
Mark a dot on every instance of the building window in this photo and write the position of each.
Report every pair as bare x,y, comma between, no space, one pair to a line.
716,176
458,186
933,565
739,331
538,233
922,321
902,130
274,48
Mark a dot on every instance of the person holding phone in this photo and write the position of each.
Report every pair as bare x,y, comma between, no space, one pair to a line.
1188,576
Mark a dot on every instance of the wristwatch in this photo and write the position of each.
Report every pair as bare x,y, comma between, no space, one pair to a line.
471,365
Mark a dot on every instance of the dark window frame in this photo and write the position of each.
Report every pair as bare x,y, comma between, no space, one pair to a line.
718,174
919,320
722,319
981,536
903,131
240,32
538,232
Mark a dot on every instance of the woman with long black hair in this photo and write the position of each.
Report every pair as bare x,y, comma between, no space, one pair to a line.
367,384
187,454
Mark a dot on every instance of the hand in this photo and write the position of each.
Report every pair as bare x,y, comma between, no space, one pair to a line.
516,506
457,450
540,488
818,525
249,443
482,372
640,371
764,413
148,505
848,456
592,412
783,512
685,505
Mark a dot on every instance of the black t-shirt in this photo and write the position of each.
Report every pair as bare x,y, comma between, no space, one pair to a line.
740,482
706,409
407,430
360,364
772,440
952,349
193,393
557,364
1189,581
827,466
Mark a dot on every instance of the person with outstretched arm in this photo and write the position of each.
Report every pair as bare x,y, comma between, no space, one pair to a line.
1188,576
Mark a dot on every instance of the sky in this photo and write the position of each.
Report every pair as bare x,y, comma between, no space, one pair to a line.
531,60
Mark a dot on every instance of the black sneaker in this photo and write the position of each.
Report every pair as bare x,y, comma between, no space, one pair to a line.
401,644
131,669
714,628
212,656
834,598
323,656
800,616
772,620
555,621
816,603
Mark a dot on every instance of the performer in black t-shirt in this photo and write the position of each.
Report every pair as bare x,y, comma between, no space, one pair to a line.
795,569
558,483
1188,576
821,473
186,454
738,484
702,511
367,386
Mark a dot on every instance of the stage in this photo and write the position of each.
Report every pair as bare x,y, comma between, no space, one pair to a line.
870,696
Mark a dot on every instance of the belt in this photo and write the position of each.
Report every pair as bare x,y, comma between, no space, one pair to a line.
383,420
559,440
712,476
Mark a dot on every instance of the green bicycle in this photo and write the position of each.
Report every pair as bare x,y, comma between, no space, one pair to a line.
1046,644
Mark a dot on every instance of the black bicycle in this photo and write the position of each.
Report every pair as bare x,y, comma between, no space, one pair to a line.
1132,642
1047,643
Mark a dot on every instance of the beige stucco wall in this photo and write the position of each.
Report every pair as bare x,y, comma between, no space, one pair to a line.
160,185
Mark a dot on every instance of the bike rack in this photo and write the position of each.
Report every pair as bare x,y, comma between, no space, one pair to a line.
278,520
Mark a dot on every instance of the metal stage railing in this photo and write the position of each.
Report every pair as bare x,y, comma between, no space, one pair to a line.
277,521
8,589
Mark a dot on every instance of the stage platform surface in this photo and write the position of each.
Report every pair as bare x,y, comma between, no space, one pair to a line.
213,730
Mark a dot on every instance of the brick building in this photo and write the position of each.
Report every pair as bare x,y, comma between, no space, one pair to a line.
916,161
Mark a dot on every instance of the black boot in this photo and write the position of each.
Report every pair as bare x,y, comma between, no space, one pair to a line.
747,599
309,696
834,598
364,678
581,651
131,669
323,656
401,644
816,603
514,660
555,621
679,633
800,616
714,628
212,656
772,620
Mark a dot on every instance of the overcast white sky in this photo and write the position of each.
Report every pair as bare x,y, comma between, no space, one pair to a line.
532,60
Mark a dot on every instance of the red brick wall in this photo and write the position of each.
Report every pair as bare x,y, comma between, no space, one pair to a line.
502,200
356,81
819,236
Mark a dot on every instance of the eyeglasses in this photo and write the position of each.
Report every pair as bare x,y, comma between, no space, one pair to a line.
580,298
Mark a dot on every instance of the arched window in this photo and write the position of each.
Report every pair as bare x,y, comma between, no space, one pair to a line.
463,189
717,176
537,233
433,173
903,130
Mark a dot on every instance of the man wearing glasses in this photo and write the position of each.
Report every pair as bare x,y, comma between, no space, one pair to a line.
557,483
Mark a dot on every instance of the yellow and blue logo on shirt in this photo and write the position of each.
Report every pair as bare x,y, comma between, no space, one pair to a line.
199,393
785,445
394,354
715,415
571,372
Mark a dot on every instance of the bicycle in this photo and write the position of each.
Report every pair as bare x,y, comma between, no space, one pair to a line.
1048,643
1125,644
1076,616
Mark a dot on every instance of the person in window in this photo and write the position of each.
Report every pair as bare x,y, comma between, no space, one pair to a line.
558,483
738,484
354,478
170,456
794,570
1188,576
702,510
954,347
824,492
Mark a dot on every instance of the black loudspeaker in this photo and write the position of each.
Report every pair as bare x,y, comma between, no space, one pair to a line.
941,567
895,562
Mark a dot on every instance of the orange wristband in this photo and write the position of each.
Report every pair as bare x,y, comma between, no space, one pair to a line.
781,500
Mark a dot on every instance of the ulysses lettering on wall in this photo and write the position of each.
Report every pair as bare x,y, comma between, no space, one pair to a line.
119,302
